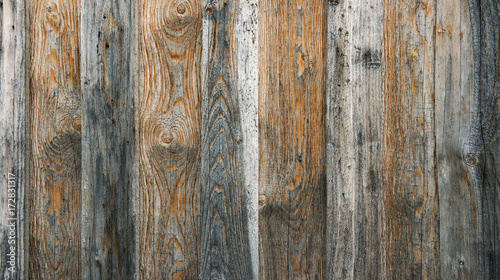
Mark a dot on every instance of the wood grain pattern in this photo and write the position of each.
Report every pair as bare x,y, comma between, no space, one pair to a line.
108,141
292,215
353,132
224,232
467,133
55,193
410,205
12,138
168,138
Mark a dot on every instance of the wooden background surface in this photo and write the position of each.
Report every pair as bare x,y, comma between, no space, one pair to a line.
247,139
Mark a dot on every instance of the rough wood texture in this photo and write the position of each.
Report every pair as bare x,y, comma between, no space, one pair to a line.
108,141
55,175
354,102
224,238
168,138
12,138
292,215
467,133
410,205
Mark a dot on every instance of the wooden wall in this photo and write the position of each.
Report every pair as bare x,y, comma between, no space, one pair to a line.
250,139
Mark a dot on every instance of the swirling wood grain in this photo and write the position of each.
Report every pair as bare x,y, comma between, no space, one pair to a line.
169,121
55,195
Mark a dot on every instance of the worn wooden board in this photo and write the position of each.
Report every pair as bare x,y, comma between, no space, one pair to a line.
224,232
168,138
292,181
12,139
55,123
467,134
354,104
410,205
108,141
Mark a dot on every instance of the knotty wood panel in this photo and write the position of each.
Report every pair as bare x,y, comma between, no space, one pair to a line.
354,104
292,215
467,134
224,232
168,138
108,141
55,174
12,137
410,206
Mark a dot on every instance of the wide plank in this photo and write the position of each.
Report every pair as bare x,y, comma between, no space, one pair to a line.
224,232
353,133
107,141
410,205
168,138
292,181
55,132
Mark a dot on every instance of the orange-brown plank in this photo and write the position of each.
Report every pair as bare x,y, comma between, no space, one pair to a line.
168,138
55,196
292,194
410,206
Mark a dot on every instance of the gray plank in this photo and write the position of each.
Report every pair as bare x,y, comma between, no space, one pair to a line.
12,139
108,141
224,232
353,118
467,134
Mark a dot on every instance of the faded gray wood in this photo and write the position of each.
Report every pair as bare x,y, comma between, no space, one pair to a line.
224,232
12,137
467,135
108,140
353,118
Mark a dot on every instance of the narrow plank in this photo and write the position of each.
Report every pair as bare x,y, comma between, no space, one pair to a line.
410,205
467,134
55,169
168,138
353,121
108,141
12,138
248,98
224,246
292,194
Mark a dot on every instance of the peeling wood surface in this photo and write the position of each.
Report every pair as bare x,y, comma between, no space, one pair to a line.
168,138
12,138
108,141
292,182
55,123
224,232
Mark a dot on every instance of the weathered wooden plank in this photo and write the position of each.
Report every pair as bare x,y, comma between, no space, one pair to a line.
410,207
292,215
224,238
108,141
12,138
168,138
248,98
467,135
55,171
354,104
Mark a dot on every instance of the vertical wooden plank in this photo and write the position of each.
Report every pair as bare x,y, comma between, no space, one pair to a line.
354,103
12,138
248,97
108,141
292,215
55,175
224,247
467,133
168,138
410,205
